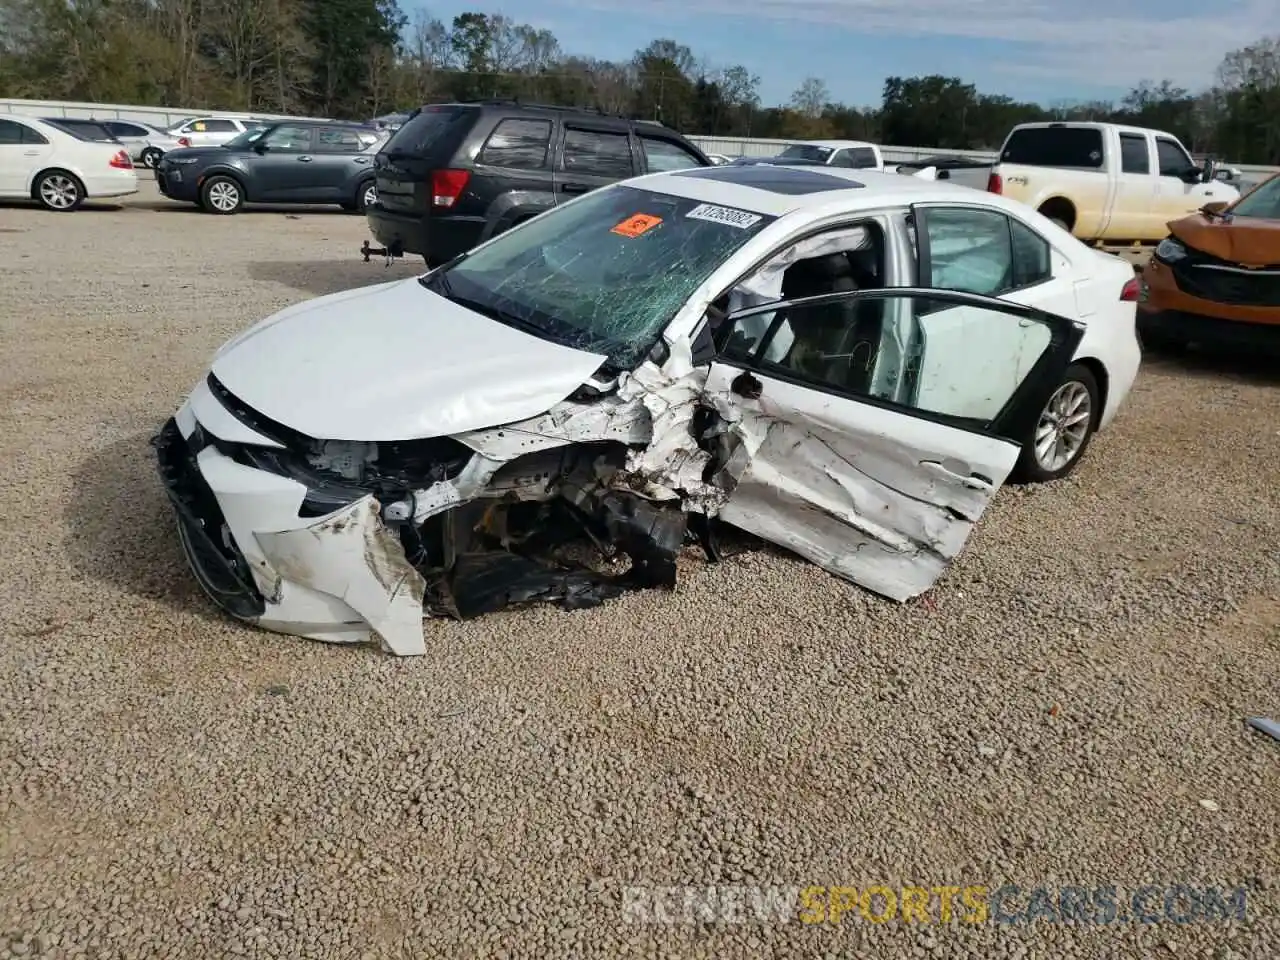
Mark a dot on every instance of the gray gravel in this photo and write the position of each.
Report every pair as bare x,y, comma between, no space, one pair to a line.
175,785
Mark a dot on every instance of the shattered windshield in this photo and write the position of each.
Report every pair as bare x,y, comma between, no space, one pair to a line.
1263,202
806,151
605,273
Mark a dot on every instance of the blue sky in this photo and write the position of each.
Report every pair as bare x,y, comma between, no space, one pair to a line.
1042,50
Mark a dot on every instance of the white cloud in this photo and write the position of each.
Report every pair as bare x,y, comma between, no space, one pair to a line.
1100,42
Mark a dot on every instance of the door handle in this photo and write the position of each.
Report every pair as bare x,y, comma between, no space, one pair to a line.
31,153
574,188
974,481
304,159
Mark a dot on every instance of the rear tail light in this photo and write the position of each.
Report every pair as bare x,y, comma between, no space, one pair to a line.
1131,291
447,186
184,142
994,183
121,161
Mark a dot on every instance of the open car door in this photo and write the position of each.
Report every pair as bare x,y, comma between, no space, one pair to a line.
868,430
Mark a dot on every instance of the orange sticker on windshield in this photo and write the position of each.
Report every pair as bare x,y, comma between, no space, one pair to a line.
636,226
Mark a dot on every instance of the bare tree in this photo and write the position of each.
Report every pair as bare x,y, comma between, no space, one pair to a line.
811,98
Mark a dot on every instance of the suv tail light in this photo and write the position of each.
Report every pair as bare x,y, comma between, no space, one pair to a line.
1131,291
994,183
184,142
447,186
121,160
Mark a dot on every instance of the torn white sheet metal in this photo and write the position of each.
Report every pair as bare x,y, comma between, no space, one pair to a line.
353,556
839,483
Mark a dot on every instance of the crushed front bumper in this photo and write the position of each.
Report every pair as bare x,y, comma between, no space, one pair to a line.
340,578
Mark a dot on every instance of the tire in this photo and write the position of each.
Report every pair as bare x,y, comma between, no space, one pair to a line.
1078,393
222,195
366,193
151,157
58,190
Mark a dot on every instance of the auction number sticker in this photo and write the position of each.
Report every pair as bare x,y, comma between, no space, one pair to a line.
637,225
738,219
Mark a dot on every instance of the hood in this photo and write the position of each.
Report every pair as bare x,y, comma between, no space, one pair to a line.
395,362
1245,240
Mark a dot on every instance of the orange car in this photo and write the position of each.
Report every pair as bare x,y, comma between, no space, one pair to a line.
1216,279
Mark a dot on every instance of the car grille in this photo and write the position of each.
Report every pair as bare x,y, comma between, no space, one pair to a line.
1220,281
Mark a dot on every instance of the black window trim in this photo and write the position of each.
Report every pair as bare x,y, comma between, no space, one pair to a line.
141,131
924,261
1014,417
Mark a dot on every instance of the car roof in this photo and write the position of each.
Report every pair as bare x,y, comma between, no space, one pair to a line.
778,190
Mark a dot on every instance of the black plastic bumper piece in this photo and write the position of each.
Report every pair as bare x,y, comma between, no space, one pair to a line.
218,565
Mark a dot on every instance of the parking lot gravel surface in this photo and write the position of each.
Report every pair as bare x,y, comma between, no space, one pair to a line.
1065,708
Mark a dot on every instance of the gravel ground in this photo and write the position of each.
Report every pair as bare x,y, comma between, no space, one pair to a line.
1065,708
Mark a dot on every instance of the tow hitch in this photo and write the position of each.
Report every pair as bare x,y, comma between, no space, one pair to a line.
389,253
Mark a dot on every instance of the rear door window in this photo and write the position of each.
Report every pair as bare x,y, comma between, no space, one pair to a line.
338,140
517,143
10,132
597,153
220,126
1055,147
121,129
1134,156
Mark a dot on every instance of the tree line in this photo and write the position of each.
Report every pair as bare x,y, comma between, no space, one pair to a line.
355,59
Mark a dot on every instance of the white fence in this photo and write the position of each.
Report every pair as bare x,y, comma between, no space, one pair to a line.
729,146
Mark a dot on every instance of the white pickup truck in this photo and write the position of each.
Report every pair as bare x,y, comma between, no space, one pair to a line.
1105,182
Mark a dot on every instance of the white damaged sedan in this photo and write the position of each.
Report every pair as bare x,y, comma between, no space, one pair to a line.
845,363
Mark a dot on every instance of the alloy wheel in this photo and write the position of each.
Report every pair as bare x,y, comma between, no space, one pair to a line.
59,191
1064,426
224,196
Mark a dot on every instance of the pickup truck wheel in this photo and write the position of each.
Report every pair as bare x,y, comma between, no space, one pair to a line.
1063,430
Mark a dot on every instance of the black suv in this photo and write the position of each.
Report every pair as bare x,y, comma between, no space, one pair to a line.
456,174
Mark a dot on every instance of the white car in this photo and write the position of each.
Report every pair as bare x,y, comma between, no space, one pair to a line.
59,169
211,131
782,348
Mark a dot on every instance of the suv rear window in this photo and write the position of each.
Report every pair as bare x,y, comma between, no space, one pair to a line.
1055,147
430,129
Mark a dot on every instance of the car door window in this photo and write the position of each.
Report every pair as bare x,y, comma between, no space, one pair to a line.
288,138
120,129
517,144
10,133
1134,156
965,361
597,153
1174,161
1031,262
338,141
220,126
30,136
662,155
841,158
967,249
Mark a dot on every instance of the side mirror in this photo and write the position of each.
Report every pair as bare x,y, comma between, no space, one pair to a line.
1210,171
1215,208
260,148
1192,175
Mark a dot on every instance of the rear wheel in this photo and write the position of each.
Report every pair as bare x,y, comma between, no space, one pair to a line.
150,157
1063,430
59,191
366,195
222,195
